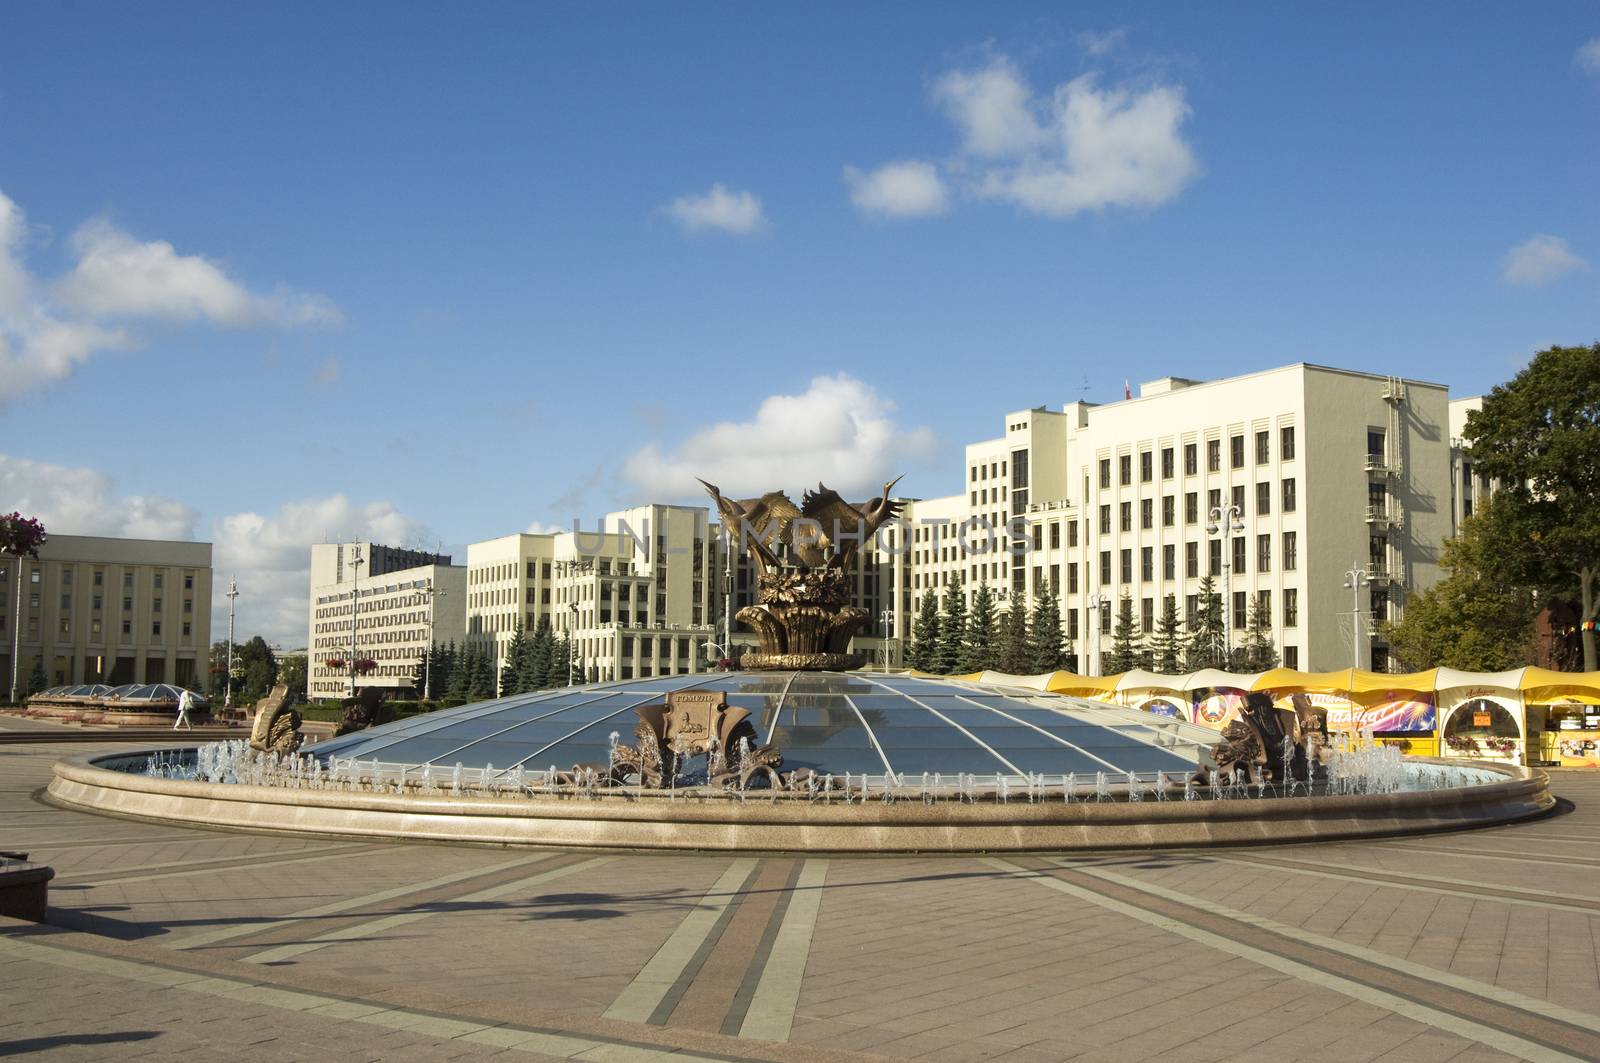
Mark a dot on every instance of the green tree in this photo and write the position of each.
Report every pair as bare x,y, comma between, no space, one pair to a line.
1208,635
982,633
458,682
1166,648
1126,640
20,537
1259,652
952,628
292,674
1539,436
1047,648
535,666
923,652
444,660
1477,618
1013,656
565,669
515,662
480,674
37,680
257,668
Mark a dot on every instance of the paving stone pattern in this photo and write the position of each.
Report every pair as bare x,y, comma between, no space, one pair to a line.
170,941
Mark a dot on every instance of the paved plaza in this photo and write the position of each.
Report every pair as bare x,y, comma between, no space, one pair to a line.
176,942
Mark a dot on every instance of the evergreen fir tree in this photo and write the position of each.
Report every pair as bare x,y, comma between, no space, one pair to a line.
512,666
1208,635
1047,649
480,674
444,659
952,628
1125,640
563,668
1012,653
982,631
1166,649
1259,653
458,686
923,652
535,667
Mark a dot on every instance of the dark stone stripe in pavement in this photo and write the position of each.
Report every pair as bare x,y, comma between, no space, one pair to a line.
705,1002
1484,1010
758,962
669,1002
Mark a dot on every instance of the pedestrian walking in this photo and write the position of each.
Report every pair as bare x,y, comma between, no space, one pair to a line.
185,703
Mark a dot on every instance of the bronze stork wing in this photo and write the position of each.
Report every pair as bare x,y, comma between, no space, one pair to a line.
844,527
735,514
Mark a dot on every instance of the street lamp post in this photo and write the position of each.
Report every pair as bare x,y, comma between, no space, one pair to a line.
887,616
233,592
16,632
1096,603
429,593
1226,519
355,580
727,594
572,607
1353,580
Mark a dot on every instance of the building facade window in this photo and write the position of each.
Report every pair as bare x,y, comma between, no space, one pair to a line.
1286,444
1166,463
1125,516
1236,452
1105,519
1125,469
1238,554
1289,497
1105,473
1169,561
1146,467
1264,553
1191,507
1263,499
1291,607
1147,564
1168,514
1213,455
1146,514
1263,448
1191,560
1191,459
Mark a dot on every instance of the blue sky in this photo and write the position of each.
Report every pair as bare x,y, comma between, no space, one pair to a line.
417,272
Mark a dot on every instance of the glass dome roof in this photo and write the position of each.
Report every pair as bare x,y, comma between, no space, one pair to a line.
150,692
831,722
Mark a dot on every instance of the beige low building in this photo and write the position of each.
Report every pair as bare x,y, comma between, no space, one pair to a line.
1325,470
378,603
636,594
98,609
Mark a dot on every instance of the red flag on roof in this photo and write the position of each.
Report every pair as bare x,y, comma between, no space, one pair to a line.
1127,389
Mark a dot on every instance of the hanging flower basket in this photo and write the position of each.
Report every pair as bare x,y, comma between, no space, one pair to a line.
365,665
334,662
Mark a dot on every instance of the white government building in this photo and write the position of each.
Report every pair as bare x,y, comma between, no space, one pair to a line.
378,603
1314,473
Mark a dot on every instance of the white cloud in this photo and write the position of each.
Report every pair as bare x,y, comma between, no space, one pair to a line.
271,556
732,212
78,501
48,329
906,189
1539,260
119,276
993,109
539,527
839,431
1081,148
1588,57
